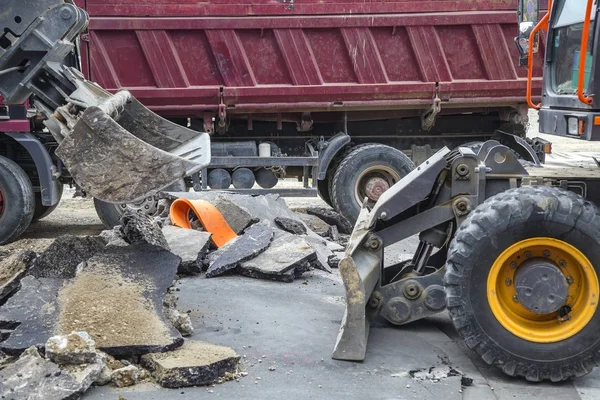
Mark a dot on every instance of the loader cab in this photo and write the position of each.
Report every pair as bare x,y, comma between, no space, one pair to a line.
568,107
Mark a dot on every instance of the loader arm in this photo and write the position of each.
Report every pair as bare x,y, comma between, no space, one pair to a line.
115,148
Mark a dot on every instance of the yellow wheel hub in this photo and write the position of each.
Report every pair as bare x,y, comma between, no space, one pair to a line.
581,293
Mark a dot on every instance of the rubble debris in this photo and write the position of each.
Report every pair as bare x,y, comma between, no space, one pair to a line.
334,259
291,225
12,269
314,223
126,376
287,257
116,297
237,217
114,237
254,241
105,376
139,227
181,321
61,258
33,377
74,348
193,364
170,300
323,252
334,233
332,218
434,374
189,244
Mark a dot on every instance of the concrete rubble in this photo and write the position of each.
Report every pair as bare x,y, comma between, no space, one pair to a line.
103,310
332,218
193,364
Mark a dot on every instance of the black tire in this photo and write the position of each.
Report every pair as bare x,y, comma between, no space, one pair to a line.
110,214
18,201
501,221
360,160
42,211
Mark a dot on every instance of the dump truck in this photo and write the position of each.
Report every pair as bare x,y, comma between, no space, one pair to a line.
510,251
345,96
56,126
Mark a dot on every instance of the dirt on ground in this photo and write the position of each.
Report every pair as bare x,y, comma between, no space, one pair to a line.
120,314
193,354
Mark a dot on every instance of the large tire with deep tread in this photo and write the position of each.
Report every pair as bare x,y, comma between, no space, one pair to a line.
498,223
355,162
18,201
110,214
42,211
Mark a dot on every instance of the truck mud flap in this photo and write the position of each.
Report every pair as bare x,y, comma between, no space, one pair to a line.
121,152
361,273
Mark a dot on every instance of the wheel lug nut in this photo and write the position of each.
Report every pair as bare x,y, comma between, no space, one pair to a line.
516,298
562,263
546,253
508,282
527,254
569,280
513,265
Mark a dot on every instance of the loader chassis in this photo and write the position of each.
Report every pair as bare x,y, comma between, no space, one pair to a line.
543,291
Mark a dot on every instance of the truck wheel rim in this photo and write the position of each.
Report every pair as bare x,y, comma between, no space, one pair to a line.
507,278
1,203
373,182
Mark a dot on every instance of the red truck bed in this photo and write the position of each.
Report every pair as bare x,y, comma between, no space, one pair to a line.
184,57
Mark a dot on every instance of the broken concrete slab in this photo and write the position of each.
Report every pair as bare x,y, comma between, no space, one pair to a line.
335,258
189,244
237,217
291,225
12,269
193,364
34,378
116,298
126,376
139,227
254,241
75,348
286,258
332,218
314,223
323,252
61,258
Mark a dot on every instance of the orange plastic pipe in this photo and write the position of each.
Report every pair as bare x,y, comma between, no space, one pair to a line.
582,52
209,216
542,24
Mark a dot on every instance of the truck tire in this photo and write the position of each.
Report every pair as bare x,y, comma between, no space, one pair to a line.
110,214
366,171
42,211
17,202
522,283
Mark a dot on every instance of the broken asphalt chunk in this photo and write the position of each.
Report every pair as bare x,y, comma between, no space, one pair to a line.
61,258
291,225
139,227
75,348
237,217
288,256
253,242
332,218
189,244
193,364
12,269
126,376
116,297
314,223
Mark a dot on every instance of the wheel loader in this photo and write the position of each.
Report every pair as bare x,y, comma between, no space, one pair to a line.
512,252
113,147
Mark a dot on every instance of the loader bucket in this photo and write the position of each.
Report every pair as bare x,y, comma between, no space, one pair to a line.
121,152
361,272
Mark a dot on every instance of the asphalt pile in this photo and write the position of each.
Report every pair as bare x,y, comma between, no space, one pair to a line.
96,310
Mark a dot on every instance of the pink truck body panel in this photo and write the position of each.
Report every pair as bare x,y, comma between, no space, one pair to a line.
184,57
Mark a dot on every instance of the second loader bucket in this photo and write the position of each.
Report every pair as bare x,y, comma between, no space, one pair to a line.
118,151
361,272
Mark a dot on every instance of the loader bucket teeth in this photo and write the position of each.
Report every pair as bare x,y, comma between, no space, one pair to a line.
123,163
361,273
